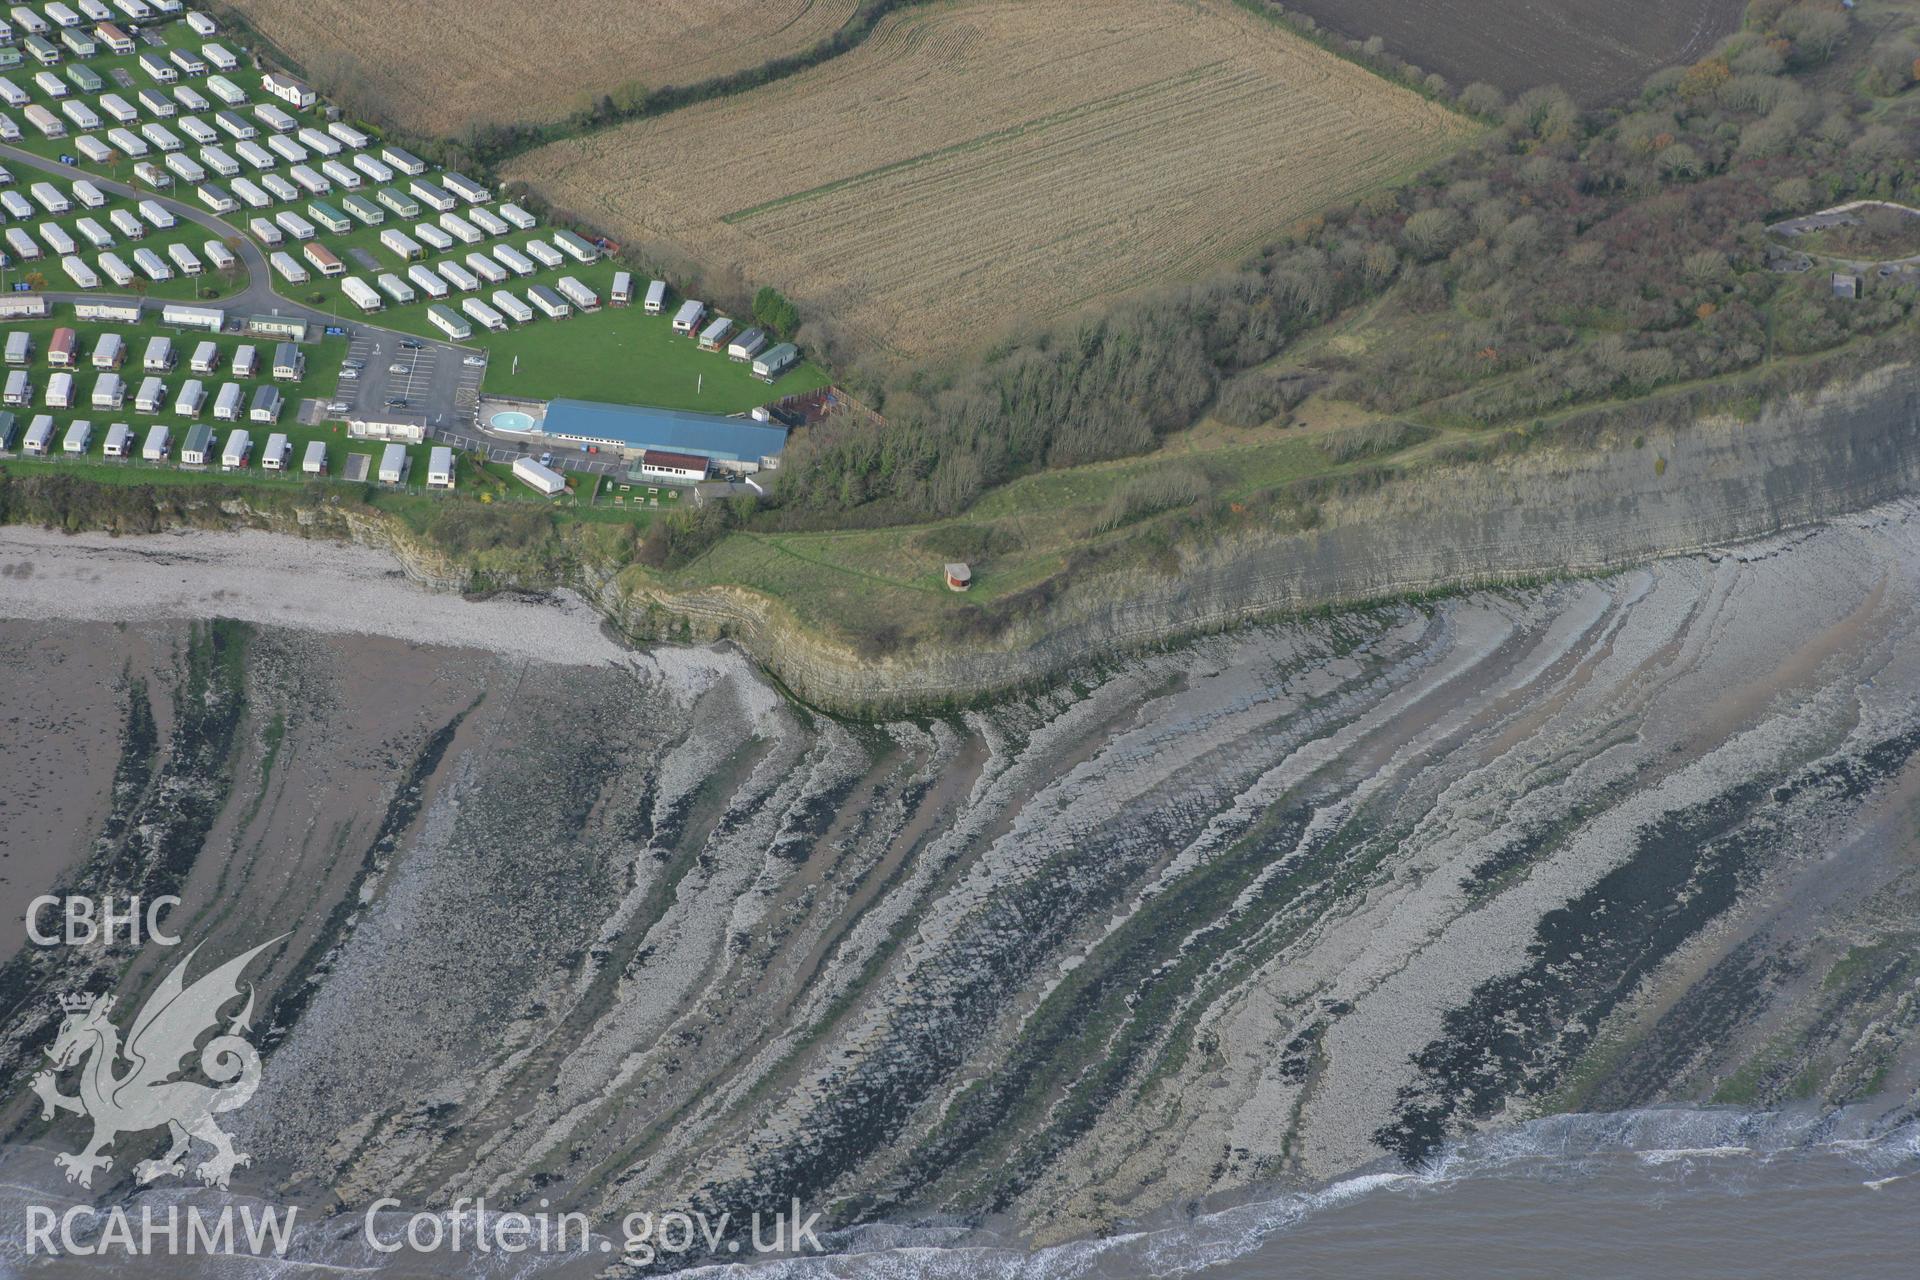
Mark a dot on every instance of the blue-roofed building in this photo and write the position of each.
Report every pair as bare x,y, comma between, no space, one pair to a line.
734,444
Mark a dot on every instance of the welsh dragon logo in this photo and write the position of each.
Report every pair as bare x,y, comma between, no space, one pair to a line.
146,1095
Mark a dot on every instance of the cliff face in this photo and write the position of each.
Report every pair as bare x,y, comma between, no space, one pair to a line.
1544,512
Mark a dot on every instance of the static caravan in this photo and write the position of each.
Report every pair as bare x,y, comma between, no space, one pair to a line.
432,196
60,390
265,406
50,197
234,455
119,108
219,57
279,187
286,268
157,214
152,265
540,479
483,314
398,202
518,217
96,151
449,322
266,232
323,259
464,187
621,295
12,94
80,115
256,155
513,260
79,436
116,269
62,14
274,118
491,223
580,250
189,62
129,144
52,85
287,149
395,288
405,161
197,448
109,350
9,128
246,361
217,198
433,237
63,348
393,464
550,304
340,175
192,398
690,318
159,356
460,229
486,268
202,24
81,45
288,363
512,307
545,254
205,358
186,168
152,396
770,364
310,179
314,463
294,93
116,40
16,205
234,127
347,135
158,444
361,294
155,103
365,210
226,405
88,194
126,223
49,124
330,218
19,347
218,254
138,10
161,136
19,389
294,225
278,451
158,69
191,98
440,467
374,169
250,193
427,280
220,162
39,441
22,245
57,238
747,345
82,275
42,50
579,294
457,276
656,297
109,391
199,130
318,141
227,91
9,426
401,245
29,21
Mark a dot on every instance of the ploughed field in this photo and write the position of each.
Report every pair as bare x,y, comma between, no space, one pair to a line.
977,165
438,66
1593,51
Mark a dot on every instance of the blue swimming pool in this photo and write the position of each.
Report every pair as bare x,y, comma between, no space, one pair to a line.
511,420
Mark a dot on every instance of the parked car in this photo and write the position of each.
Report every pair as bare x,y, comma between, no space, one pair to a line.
409,344
475,362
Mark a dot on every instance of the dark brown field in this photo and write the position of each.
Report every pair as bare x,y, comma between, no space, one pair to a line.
1593,51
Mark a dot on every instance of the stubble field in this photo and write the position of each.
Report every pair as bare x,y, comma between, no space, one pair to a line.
438,66
1593,51
976,165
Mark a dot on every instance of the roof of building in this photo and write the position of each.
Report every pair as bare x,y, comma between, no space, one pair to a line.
678,461
670,430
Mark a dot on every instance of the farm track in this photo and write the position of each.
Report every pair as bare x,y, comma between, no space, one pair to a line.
975,163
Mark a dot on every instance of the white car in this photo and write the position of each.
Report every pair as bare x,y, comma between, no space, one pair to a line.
475,362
